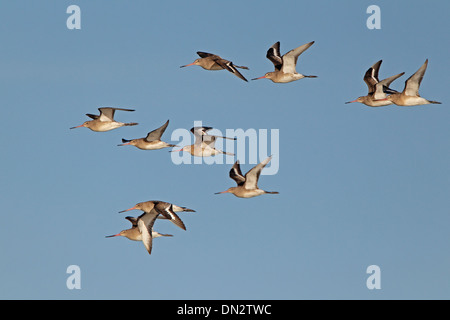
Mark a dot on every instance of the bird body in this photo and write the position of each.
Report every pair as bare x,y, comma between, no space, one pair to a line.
247,186
410,94
204,143
209,61
151,142
142,227
377,90
166,210
105,121
285,66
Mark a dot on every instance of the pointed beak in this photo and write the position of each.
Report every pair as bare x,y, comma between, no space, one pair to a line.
134,208
351,101
226,191
124,144
176,150
77,126
188,65
114,235
263,77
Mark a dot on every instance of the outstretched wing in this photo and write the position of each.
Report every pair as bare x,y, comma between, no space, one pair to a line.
166,209
371,76
206,55
107,113
228,65
413,83
133,221
290,58
199,132
273,54
382,87
236,174
145,225
157,133
251,177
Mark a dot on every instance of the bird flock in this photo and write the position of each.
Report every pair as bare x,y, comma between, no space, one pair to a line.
379,94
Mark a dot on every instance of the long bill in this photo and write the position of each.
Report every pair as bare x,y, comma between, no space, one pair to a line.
226,191
351,101
77,126
133,208
263,77
114,235
188,65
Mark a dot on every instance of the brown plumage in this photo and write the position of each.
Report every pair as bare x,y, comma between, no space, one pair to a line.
209,61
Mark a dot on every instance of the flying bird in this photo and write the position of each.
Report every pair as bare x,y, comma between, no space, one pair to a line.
167,213
204,145
152,141
142,227
105,121
209,61
285,65
378,90
410,94
247,186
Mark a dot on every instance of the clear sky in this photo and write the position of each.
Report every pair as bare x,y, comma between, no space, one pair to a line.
359,186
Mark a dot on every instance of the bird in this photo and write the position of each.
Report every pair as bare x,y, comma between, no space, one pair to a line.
410,94
105,121
142,227
204,143
247,186
134,234
285,65
378,90
152,141
209,61
167,213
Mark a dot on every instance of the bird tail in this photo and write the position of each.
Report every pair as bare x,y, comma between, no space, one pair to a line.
182,209
131,124
163,235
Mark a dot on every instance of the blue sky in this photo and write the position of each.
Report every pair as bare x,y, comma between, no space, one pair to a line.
359,186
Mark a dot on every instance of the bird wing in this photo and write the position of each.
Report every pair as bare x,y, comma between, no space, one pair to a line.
92,116
166,209
107,113
209,140
236,174
273,54
133,221
206,55
371,76
157,133
228,65
382,87
145,224
251,177
412,84
290,58
199,132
